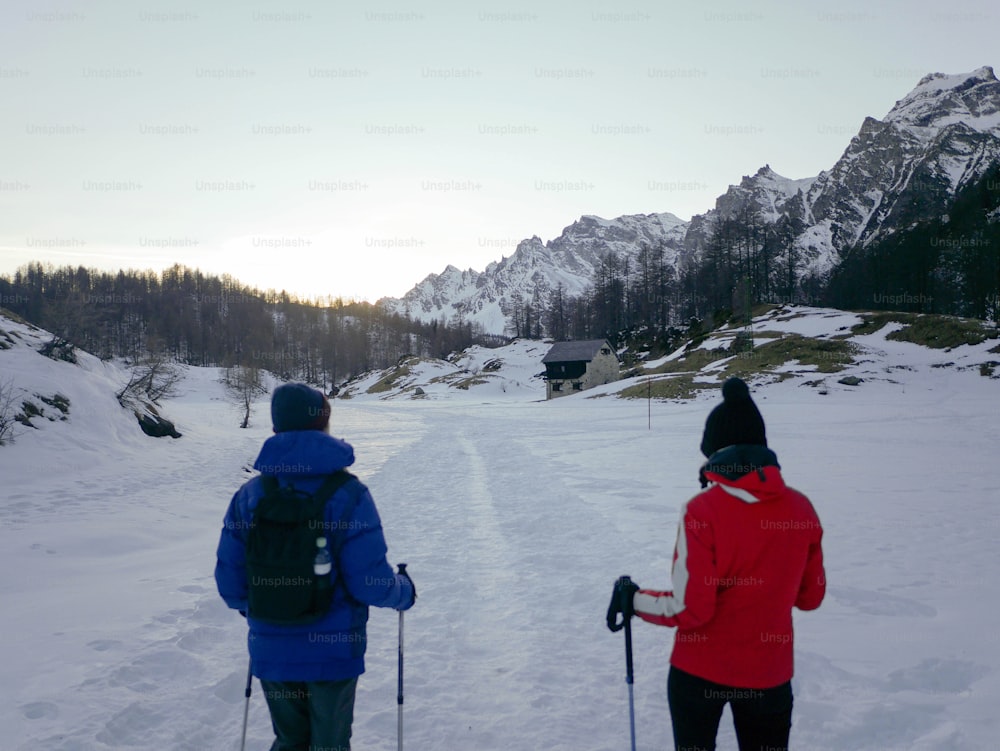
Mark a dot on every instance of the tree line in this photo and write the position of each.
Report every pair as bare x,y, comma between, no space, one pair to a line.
939,264
190,317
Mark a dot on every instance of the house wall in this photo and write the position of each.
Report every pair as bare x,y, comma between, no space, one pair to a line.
602,369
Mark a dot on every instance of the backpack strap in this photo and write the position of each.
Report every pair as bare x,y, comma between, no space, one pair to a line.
337,535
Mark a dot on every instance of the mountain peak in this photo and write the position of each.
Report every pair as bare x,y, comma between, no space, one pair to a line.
942,81
941,99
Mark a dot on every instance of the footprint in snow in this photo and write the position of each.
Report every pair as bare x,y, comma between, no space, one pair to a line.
231,688
937,675
150,671
203,639
173,616
40,710
132,726
103,645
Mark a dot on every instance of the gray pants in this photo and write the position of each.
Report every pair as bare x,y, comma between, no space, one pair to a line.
311,716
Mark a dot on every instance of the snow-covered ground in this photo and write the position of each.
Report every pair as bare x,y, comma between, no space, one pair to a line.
515,517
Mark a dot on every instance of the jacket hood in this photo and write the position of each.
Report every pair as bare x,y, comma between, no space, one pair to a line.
747,471
303,453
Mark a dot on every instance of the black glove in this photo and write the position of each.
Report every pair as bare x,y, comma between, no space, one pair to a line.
621,603
403,572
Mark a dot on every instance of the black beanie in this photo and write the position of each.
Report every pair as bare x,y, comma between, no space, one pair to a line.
295,406
736,420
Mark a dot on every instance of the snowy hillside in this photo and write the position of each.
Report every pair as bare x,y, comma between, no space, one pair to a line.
37,385
826,350
516,516
793,344
511,371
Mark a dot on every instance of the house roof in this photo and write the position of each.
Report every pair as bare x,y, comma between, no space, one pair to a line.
582,351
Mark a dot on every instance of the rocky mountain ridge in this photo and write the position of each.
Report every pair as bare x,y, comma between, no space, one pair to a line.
941,136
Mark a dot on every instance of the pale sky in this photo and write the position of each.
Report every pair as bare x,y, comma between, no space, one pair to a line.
351,149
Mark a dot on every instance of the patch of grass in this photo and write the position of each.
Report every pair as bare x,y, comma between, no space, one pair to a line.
872,322
692,361
827,355
928,330
677,387
696,342
763,308
465,383
16,318
388,381
987,369
767,335
942,332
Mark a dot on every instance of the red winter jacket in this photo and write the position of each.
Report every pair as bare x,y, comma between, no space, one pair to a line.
748,549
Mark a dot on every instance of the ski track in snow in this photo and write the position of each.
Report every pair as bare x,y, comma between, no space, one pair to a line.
515,519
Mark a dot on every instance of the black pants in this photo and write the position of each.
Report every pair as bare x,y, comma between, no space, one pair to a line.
763,717
311,716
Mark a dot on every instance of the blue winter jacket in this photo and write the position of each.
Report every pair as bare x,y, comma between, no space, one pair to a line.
334,647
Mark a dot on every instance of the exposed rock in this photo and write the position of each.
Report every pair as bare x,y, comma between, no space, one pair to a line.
153,424
59,349
850,380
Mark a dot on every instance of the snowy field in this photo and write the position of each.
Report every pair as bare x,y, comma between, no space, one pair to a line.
515,516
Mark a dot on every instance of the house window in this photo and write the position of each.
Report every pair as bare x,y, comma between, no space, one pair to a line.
557,387
577,386
605,351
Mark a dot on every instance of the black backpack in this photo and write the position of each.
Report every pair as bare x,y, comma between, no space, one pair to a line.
281,551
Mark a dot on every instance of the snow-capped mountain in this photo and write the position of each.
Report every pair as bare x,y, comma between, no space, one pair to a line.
937,139
536,268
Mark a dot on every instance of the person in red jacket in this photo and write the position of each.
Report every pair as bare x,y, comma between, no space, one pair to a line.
749,549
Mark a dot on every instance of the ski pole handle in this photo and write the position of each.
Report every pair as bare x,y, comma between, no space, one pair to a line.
621,603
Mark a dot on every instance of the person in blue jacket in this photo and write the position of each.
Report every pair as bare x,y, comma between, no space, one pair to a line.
309,673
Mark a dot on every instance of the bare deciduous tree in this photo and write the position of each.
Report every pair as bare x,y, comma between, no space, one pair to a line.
7,411
244,383
153,378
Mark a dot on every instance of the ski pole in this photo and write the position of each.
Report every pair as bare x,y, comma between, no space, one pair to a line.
399,692
620,605
629,677
246,707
